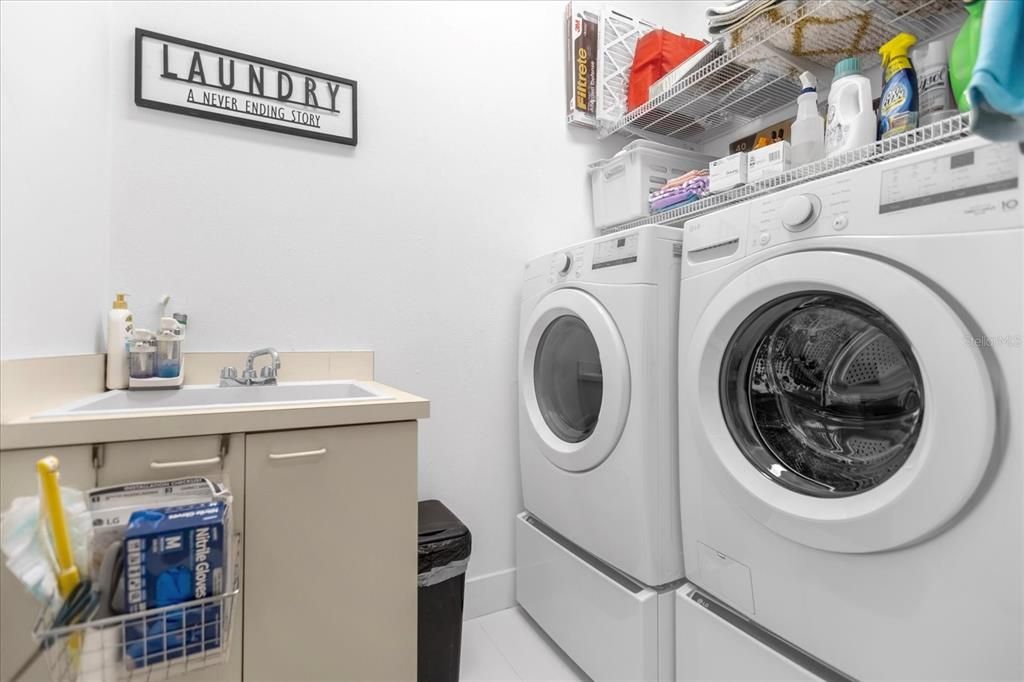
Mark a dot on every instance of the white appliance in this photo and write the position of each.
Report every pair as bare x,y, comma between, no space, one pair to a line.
851,406
597,442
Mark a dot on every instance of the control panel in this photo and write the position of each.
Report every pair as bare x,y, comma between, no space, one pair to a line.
567,264
615,251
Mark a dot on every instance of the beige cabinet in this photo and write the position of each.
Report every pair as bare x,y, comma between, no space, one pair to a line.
326,519
18,611
331,554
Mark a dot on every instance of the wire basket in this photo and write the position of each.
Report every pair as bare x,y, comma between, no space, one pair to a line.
156,644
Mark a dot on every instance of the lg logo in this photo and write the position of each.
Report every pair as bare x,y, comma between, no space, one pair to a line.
1010,204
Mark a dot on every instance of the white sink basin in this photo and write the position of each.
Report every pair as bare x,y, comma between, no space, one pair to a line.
203,396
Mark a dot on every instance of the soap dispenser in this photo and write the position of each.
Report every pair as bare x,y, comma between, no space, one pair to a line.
119,331
808,131
168,348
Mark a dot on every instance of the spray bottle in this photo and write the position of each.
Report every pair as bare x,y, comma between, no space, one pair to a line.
897,112
808,130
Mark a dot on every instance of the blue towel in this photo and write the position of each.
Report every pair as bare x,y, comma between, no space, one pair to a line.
996,90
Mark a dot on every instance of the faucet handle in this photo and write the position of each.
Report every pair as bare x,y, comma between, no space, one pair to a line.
228,373
268,372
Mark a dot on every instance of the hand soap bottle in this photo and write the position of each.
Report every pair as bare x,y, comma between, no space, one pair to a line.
168,348
808,131
119,331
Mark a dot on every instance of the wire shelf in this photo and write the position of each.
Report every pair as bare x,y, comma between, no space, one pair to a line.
940,132
758,72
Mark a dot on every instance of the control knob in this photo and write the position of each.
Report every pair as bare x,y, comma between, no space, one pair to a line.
800,212
563,262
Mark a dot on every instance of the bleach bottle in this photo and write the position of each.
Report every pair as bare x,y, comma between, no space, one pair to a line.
897,111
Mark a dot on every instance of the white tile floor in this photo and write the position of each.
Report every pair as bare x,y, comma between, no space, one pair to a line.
508,645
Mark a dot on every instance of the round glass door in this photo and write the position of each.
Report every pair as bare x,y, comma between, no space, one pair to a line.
567,378
574,381
822,394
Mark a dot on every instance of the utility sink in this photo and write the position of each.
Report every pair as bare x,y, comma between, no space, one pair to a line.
216,397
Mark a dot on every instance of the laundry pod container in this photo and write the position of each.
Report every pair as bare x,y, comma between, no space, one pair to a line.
444,547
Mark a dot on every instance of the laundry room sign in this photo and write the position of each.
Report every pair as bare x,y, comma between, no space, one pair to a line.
185,77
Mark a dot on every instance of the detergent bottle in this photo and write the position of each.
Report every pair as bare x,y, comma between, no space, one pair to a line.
897,110
851,120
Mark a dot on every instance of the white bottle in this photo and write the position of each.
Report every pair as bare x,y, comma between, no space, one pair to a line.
934,97
119,332
808,132
851,121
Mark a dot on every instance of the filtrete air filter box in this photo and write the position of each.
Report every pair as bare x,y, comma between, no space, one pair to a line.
582,20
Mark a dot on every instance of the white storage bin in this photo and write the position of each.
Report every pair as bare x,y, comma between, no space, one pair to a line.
621,186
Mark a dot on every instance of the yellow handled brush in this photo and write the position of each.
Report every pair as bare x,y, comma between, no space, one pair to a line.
49,487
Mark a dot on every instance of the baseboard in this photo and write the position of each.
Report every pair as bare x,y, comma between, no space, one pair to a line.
489,593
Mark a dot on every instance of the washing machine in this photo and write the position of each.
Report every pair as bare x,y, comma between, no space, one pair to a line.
851,399
598,546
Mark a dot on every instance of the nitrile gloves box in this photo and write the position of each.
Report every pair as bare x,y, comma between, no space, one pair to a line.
174,555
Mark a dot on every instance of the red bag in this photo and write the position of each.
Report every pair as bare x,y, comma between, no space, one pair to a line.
657,53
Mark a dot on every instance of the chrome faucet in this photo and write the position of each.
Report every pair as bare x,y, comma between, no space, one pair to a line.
267,376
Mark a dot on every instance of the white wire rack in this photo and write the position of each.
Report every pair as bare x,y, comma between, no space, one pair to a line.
758,73
940,132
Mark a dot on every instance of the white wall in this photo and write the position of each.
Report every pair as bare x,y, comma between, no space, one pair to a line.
55,150
411,244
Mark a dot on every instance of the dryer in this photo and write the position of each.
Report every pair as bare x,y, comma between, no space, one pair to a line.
599,549
851,406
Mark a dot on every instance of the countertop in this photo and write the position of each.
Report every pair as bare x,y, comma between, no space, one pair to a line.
27,432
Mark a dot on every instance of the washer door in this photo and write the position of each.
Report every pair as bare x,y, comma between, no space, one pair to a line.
838,401
575,380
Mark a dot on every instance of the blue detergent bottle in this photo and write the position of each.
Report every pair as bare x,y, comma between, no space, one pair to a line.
897,111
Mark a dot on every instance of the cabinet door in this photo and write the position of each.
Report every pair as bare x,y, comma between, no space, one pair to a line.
18,611
155,460
331,554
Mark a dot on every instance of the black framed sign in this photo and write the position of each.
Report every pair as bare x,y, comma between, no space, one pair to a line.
186,77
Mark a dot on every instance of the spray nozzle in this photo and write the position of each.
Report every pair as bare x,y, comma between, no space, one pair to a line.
809,82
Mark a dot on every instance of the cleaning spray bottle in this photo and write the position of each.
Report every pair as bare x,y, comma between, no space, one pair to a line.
808,130
935,97
897,111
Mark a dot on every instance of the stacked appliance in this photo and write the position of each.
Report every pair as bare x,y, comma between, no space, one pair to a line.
851,394
599,551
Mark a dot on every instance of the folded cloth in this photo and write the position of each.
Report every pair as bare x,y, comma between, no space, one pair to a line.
996,90
674,202
692,190
684,178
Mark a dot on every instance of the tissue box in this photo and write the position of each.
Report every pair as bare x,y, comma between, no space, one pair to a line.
768,161
728,172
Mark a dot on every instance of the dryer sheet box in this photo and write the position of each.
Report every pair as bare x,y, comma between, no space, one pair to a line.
728,172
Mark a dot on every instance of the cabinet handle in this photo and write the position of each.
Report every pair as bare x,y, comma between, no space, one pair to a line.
296,455
185,463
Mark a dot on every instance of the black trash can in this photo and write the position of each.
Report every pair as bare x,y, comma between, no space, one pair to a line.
444,547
